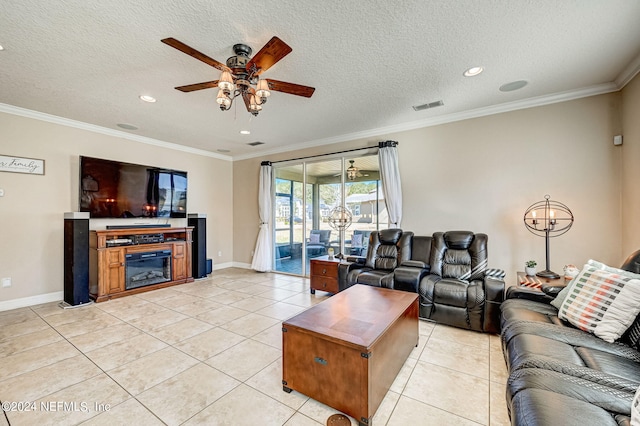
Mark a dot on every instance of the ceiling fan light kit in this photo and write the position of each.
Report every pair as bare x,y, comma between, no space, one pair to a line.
262,89
241,75
352,171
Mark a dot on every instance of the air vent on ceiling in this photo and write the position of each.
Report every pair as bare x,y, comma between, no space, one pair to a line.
127,126
427,106
255,143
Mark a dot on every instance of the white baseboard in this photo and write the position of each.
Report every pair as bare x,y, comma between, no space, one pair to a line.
225,265
240,265
31,301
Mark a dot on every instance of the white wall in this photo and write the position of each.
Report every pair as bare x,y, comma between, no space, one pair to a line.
31,211
482,174
630,166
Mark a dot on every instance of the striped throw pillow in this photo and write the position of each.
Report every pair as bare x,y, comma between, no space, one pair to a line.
601,302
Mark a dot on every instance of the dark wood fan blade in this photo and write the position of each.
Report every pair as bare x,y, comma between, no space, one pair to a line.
198,86
270,53
290,88
176,44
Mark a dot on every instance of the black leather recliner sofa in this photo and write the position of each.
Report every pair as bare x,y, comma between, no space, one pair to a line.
387,250
559,374
448,270
458,291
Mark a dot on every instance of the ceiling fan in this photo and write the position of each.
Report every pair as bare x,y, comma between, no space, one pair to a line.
354,172
242,73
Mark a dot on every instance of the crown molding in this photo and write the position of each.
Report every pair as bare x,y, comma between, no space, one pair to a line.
628,73
23,112
598,89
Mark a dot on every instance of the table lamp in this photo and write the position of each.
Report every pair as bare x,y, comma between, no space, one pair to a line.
548,219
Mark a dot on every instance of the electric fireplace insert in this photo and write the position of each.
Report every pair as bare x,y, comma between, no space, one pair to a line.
147,268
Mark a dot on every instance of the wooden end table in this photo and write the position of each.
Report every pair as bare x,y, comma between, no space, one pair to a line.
324,274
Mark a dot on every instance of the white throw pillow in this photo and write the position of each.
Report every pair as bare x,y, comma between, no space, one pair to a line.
557,302
601,300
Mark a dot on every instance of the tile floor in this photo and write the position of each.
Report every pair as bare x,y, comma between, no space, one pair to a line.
209,352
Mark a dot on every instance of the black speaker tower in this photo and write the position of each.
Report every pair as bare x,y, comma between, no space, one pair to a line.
199,245
76,258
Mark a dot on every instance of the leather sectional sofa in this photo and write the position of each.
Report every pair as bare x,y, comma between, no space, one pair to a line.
560,375
448,270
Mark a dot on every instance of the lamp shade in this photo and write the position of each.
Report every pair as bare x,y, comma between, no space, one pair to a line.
226,81
254,103
548,215
262,89
223,99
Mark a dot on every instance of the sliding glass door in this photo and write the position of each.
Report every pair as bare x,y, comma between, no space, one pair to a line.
324,194
309,197
288,215
365,202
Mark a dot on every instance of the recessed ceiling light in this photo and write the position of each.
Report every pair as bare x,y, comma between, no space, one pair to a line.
224,150
514,85
1,48
245,132
148,98
127,126
473,71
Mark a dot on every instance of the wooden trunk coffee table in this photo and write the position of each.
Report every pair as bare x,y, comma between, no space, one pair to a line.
346,351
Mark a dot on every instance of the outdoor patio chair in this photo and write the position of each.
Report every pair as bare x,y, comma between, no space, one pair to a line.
359,243
318,242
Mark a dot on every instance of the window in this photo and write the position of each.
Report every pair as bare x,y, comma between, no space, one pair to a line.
302,217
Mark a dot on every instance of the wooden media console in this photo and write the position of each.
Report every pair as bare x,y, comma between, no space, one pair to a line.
130,261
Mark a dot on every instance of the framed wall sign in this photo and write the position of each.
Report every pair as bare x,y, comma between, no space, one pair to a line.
30,166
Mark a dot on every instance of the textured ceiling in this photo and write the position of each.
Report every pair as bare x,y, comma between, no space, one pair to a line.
89,61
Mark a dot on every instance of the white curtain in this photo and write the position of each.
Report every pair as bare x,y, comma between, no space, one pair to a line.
390,176
263,254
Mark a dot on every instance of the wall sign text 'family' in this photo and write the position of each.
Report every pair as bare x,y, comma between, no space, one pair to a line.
31,166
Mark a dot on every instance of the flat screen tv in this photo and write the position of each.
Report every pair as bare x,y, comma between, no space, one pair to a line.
113,189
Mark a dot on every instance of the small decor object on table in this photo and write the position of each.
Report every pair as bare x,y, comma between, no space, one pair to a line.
330,253
536,281
527,280
530,267
570,272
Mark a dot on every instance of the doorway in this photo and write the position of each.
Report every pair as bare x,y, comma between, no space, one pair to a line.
307,197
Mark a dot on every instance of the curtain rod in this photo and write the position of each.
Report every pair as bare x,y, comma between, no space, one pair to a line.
380,145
